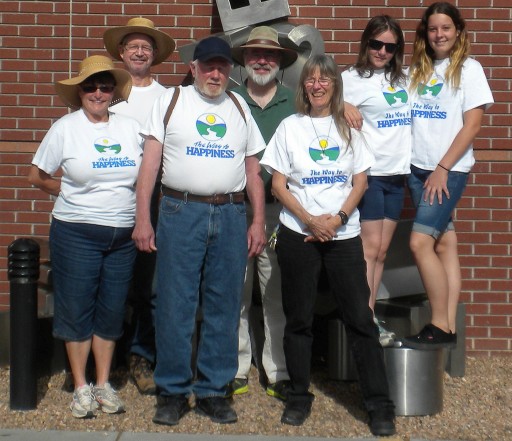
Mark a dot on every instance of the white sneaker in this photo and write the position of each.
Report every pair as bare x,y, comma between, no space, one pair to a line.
386,338
107,398
83,404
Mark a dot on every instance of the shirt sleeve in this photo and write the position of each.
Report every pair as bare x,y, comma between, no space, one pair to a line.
154,125
475,87
49,155
275,157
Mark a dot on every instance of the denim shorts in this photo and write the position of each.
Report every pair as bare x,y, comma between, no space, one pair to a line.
435,219
92,269
383,199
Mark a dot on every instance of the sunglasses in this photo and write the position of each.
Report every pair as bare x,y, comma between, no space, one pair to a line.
103,88
377,45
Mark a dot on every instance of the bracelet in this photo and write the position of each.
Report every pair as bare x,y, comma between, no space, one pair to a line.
443,167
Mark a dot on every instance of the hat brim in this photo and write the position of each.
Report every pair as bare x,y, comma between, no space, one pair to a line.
113,37
288,56
67,90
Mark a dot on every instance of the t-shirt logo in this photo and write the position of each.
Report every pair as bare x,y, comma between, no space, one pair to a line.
211,127
107,146
431,89
395,96
324,150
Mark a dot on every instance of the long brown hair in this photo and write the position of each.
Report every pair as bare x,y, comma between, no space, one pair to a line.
328,69
376,26
422,63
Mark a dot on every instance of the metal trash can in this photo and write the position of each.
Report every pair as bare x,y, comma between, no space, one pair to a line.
415,380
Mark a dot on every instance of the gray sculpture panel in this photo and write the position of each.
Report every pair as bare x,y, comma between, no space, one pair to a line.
235,14
305,39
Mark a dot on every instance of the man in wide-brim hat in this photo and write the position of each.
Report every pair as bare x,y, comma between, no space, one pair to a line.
270,102
163,46
139,45
68,89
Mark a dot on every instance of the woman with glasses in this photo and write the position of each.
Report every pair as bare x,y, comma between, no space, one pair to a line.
97,154
449,96
376,86
318,166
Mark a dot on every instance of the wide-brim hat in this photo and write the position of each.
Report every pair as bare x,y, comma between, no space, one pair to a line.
265,37
68,89
113,37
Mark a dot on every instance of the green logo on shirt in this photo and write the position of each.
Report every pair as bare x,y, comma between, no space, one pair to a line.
211,127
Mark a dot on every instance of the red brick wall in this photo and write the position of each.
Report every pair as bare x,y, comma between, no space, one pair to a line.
35,40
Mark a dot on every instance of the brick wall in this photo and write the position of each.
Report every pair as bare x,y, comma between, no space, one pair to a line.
36,38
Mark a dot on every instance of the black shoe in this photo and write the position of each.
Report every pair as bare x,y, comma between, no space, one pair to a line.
170,409
296,412
217,408
430,338
382,421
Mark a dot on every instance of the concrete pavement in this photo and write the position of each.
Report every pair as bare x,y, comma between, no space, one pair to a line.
57,435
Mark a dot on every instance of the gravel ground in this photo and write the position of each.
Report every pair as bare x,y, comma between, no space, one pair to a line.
476,407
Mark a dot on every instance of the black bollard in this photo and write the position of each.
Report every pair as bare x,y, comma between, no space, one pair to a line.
23,277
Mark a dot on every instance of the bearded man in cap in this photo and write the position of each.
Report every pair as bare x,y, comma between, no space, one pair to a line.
139,45
208,151
270,102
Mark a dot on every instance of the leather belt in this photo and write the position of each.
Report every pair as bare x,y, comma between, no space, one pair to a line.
215,199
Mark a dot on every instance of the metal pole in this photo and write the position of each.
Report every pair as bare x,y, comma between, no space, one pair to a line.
23,276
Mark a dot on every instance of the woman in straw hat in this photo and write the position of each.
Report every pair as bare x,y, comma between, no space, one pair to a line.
98,154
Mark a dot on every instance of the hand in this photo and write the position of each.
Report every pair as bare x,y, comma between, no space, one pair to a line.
256,239
353,116
144,237
323,228
435,185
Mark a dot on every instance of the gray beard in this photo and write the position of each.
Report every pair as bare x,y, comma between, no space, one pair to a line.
262,80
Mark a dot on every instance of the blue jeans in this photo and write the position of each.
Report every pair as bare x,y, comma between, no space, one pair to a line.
92,269
301,263
435,219
198,243
383,199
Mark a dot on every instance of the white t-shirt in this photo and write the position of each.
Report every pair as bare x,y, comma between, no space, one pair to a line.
438,114
318,166
140,102
387,119
99,165
206,142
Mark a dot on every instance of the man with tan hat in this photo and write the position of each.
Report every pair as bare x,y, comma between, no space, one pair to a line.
139,45
270,103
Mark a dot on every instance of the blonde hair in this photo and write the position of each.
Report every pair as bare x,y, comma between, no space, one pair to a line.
422,63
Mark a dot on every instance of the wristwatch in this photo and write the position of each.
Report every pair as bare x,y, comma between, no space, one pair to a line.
343,216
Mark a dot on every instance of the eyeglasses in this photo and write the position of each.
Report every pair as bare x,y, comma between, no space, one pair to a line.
136,48
324,82
104,88
377,45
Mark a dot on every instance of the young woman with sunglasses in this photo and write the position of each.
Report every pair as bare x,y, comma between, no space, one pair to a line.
449,94
98,154
376,86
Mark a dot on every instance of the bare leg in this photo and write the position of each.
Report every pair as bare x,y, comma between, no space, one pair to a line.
103,351
447,250
388,229
78,353
371,235
434,277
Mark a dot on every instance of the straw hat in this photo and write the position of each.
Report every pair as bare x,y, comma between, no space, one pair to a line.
68,89
265,37
113,37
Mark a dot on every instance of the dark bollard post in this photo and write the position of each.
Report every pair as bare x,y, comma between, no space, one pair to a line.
23,277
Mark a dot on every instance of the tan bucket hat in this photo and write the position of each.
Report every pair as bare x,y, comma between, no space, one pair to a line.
113,37
68,89
265,37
